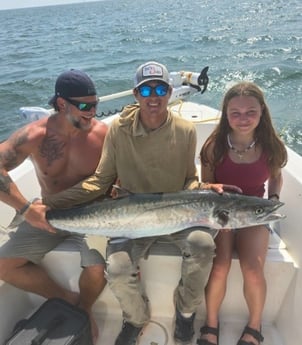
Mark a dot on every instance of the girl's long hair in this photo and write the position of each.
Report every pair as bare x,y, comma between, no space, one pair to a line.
265,134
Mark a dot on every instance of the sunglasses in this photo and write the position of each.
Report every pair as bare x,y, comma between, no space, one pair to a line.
82,106
146,90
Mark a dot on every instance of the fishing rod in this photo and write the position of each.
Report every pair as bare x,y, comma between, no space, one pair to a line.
184,84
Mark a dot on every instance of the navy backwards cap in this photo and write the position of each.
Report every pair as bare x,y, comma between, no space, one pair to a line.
151,71
73,83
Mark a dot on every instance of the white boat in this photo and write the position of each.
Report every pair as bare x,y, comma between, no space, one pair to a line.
160,273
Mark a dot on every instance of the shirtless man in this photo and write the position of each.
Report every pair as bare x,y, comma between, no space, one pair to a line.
64,148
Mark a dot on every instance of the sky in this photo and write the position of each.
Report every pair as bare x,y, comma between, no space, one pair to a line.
4,4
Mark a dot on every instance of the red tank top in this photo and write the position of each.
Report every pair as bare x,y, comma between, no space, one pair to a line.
250,177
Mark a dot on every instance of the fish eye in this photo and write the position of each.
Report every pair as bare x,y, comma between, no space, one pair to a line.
259,211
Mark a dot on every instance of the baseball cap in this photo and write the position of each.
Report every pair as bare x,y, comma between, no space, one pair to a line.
73,83
151,71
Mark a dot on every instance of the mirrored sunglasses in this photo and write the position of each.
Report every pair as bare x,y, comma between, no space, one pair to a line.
82,106
146,90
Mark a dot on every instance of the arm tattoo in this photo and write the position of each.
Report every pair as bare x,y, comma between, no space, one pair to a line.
20,139
9,158
51,149
5,182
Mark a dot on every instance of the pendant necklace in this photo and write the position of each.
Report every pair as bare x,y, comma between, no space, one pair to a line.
240,153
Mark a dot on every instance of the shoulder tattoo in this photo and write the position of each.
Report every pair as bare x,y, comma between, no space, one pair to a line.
5,182
20,138
51,149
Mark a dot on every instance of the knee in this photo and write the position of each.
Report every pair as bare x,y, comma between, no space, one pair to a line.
220,270
253,275
93,276
95,270
119,263
201,244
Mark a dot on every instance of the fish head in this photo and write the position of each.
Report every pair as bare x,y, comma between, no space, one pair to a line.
240,211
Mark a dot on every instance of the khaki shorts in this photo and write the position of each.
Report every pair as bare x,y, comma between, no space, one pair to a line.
33,244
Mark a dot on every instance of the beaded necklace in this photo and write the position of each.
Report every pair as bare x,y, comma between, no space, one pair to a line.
240,153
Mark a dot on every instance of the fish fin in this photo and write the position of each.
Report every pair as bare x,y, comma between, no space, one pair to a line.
120,192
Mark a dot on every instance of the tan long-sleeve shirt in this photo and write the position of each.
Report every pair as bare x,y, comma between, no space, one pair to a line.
161,160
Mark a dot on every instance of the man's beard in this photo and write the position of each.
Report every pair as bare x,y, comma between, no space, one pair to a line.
77,123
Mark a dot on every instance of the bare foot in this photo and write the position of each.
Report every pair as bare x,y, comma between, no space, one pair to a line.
249,339
209,334
210,338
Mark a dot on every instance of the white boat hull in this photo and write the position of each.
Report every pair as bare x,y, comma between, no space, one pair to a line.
160,273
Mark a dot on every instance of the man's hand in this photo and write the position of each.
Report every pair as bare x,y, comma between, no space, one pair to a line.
220,188
35,215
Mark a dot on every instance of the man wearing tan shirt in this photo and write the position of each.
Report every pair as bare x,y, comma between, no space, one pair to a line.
149,150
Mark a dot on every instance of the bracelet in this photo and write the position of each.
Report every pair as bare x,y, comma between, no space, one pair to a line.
271,196
25,208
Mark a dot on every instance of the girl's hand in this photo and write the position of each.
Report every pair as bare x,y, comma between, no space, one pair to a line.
220,188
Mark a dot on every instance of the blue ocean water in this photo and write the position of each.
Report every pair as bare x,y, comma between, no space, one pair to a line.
256,40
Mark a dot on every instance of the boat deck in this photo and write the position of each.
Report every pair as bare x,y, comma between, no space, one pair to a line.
160,332
160,289
160,274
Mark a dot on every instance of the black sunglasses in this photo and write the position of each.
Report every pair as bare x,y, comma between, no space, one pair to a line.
146,90
82,106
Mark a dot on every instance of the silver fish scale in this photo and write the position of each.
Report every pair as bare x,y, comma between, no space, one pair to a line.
144,215
138,217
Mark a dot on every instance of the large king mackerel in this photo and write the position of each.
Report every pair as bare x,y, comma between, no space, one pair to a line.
144,215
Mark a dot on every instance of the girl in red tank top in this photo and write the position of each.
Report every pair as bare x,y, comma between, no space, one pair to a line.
243,150
250,177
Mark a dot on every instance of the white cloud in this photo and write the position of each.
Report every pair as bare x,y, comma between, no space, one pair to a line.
4,5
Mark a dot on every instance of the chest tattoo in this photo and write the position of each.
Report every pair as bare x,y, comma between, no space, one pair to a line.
52,149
